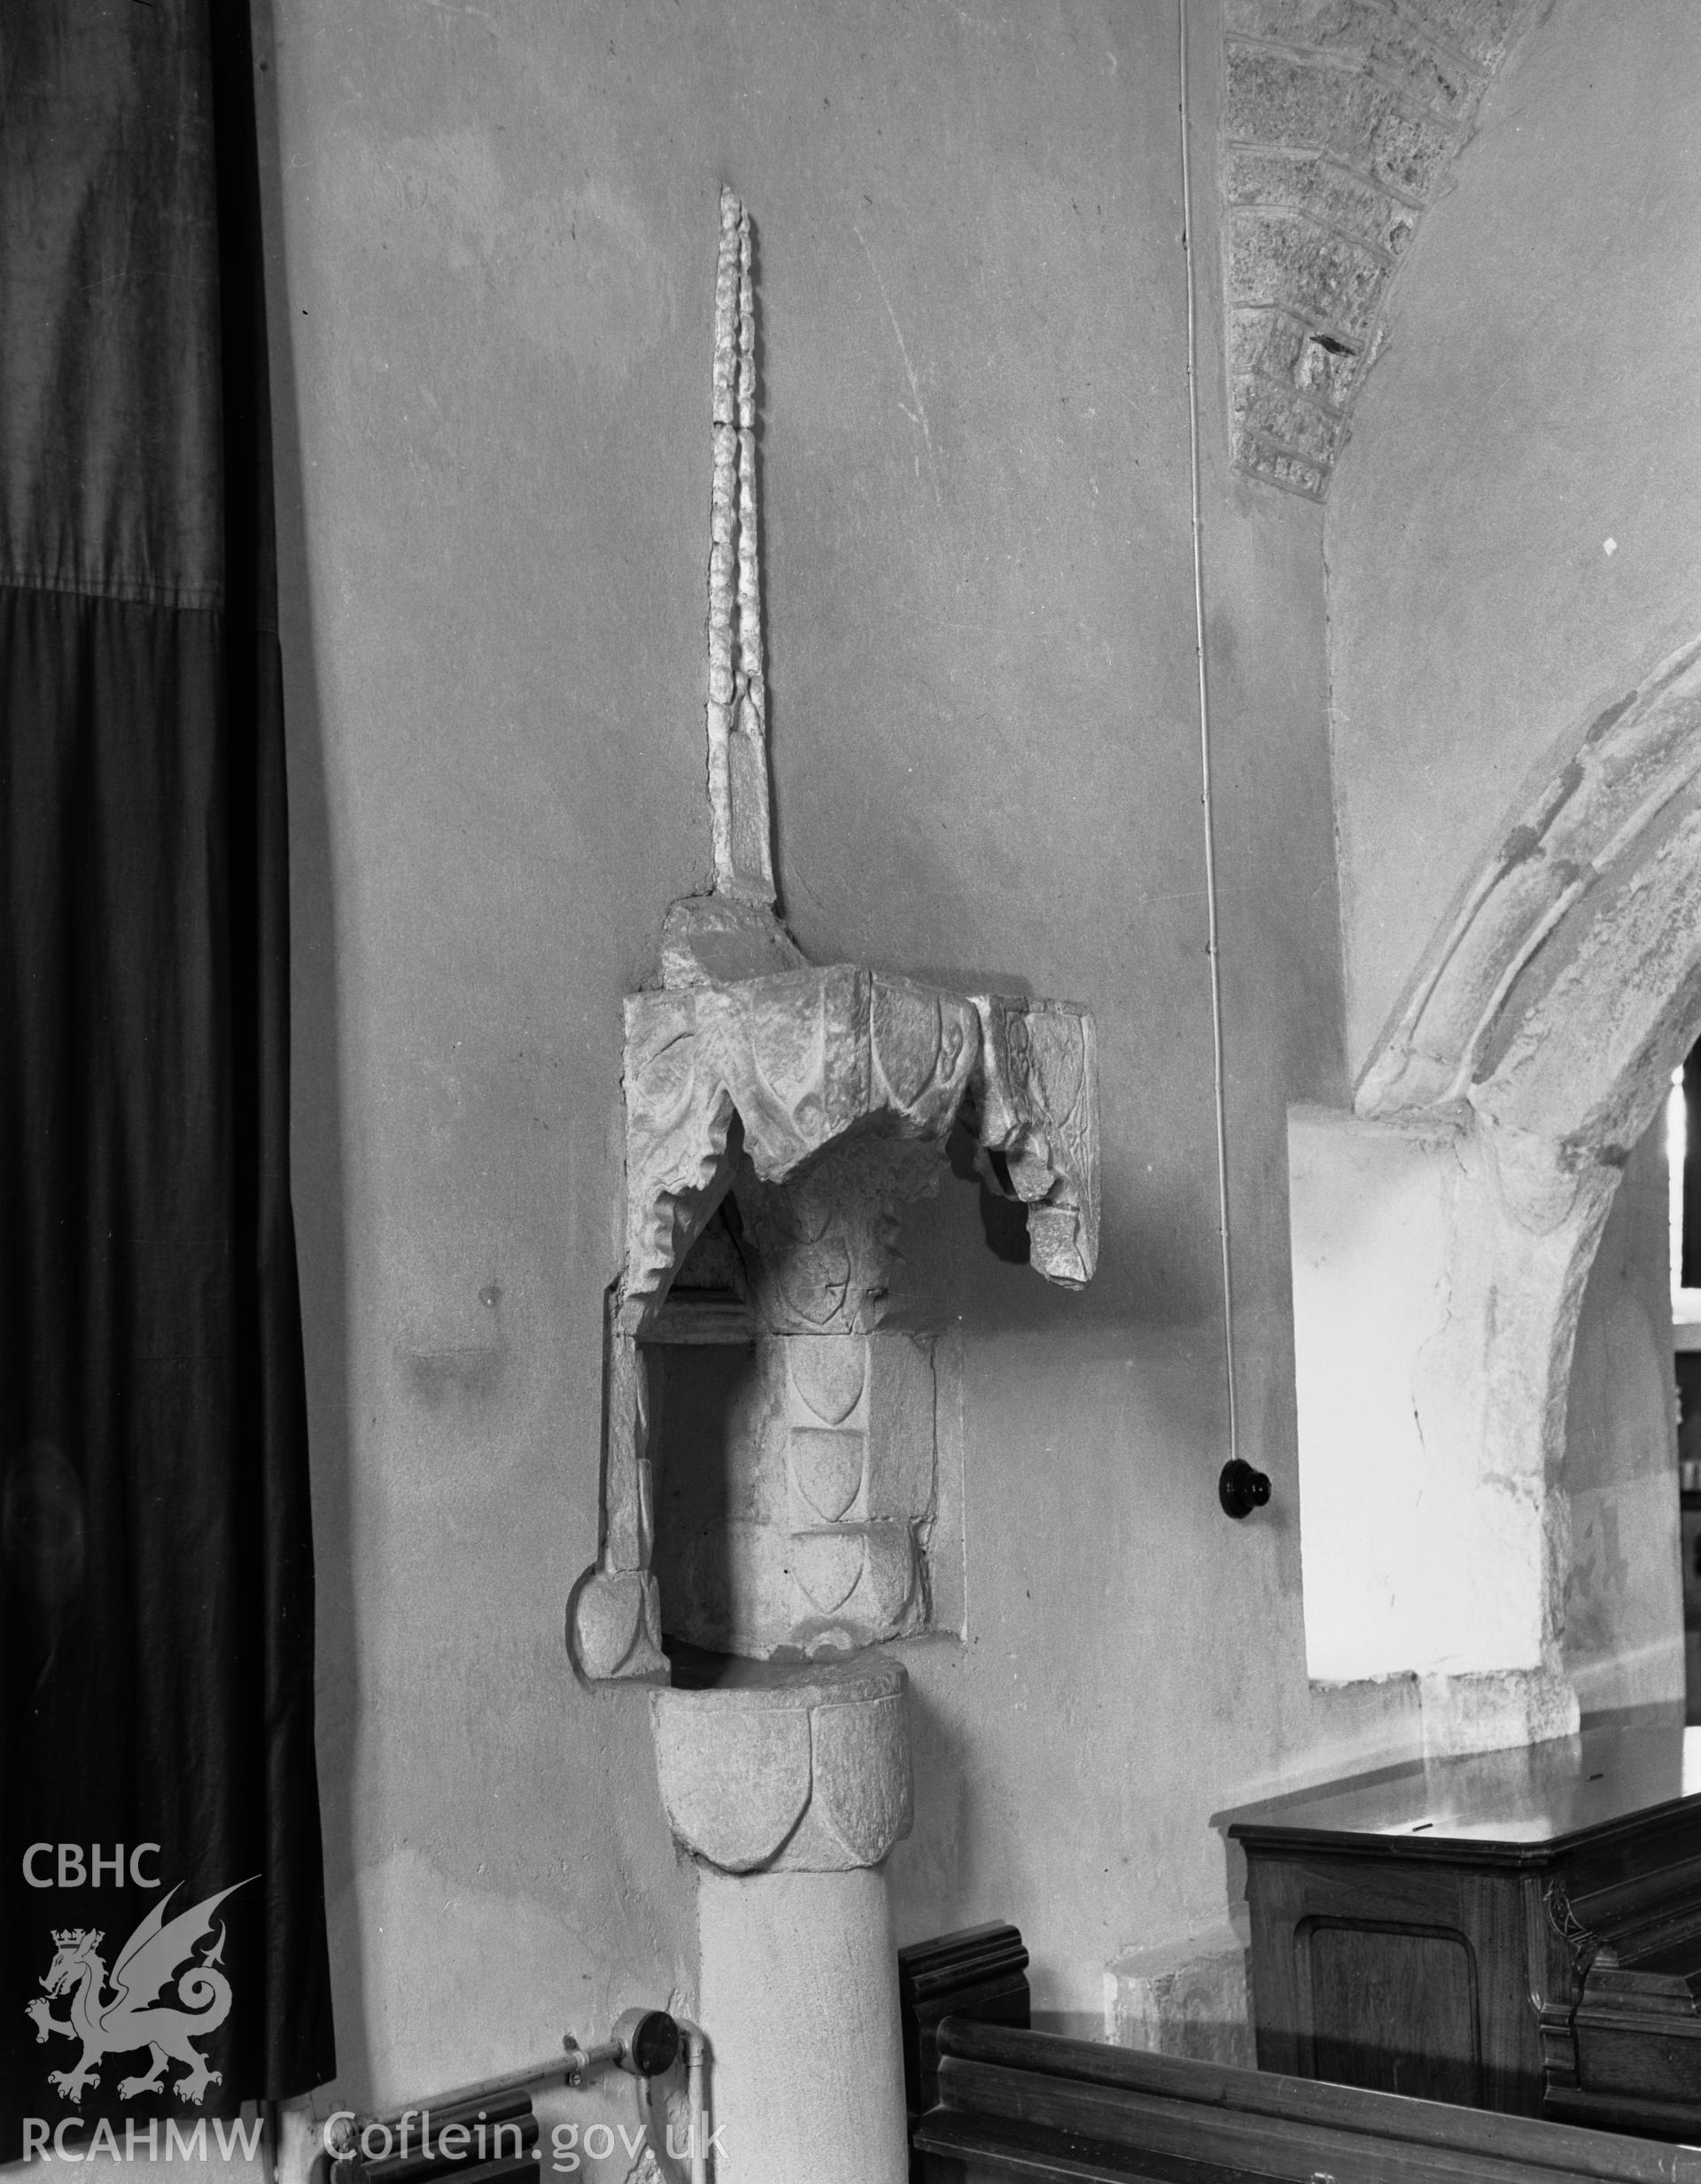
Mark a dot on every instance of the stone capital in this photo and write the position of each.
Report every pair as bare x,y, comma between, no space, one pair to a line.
797,1769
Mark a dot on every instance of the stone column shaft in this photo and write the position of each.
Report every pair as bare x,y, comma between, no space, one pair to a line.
789,1785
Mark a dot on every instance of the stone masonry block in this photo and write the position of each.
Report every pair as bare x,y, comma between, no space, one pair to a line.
1258,459
1328,371
1264,341
1428,75
1480,30
1273,99
1349,24
1189,1999
1370,32
1282,259
1271,410
900,1427
1408,154
1304,183
1339,118
1271,346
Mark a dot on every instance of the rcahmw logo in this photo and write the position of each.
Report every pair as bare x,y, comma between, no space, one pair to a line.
45,2142
159,1955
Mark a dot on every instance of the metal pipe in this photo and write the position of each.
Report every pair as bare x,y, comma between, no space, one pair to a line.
696,2048
344,2127
582,2059
644,2043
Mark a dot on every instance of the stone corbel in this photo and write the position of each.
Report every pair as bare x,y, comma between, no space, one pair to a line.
1036,1094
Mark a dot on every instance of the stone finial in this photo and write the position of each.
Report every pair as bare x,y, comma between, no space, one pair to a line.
738,703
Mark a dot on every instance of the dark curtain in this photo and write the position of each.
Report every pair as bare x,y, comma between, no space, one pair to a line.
156,1644
1689,1274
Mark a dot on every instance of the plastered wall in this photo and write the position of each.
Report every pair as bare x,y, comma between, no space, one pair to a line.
1509,546
1510,535
492,234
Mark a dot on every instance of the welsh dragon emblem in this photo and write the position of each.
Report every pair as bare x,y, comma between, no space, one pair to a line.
133,2015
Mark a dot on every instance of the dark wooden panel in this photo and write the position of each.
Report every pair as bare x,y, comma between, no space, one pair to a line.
1097,2120
1016,2104
1293,1894
1394,2008
1628,2053
979,1972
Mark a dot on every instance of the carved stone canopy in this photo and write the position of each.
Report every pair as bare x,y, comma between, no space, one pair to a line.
802,1106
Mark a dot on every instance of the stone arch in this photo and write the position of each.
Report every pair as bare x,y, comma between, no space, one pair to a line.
1451,1219
1562,976
1341,122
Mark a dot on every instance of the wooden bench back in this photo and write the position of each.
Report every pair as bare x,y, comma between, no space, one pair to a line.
1035,2106
991,2101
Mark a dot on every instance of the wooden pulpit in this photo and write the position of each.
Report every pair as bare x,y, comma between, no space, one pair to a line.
1516,1931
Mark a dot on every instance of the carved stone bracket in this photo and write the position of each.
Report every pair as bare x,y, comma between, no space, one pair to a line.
1038,1088
819,1100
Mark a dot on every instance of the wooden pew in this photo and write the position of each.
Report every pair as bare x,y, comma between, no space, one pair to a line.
1002,2103
979,1972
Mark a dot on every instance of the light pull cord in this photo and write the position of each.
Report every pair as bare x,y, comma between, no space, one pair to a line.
1205,757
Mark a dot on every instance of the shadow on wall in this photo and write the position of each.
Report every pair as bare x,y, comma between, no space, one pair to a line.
1623,1620
1003,1223
948,1867
1157,1265
316,1135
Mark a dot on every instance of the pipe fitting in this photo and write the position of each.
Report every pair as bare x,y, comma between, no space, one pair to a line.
644,2043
